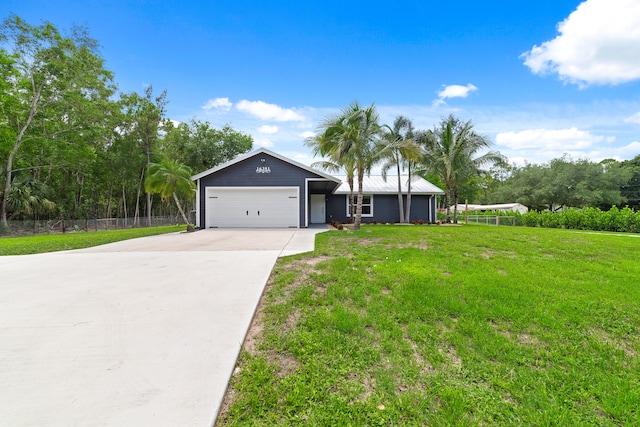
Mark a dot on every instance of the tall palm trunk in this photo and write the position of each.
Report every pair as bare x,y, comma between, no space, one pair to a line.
447,196
400,203
356,224
455,205
351,197
408,218
184,217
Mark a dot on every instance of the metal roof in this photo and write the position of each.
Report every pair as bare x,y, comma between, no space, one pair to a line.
499,207
375,184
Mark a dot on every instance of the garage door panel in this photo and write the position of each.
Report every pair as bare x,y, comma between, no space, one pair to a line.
253,207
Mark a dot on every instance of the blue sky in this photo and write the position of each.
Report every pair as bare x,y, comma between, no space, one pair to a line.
538,78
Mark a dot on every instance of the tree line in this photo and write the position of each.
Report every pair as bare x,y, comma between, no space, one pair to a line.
561,183
455,157
72,146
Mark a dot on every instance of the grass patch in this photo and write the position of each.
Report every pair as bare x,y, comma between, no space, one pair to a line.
62,242
446,326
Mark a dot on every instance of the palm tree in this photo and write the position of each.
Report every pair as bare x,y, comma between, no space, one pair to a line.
412,165
334,167
449,152
470,170
170,178
440,156
398,148
348,139
28,197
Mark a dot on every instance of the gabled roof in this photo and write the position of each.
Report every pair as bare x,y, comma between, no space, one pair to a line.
270,153
375,184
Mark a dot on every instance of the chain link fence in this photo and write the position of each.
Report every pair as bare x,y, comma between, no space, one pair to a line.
25,227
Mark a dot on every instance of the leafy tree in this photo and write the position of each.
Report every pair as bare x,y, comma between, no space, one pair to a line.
49,84
149,117
201,147
630,190
564,182
143,125
170,179
489,182
397,148
348,139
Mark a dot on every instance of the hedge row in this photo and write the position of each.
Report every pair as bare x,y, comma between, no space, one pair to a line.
614,219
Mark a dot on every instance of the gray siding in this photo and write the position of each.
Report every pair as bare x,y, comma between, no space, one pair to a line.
243,174
385,208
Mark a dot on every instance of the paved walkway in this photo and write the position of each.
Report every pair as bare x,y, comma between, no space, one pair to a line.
135,333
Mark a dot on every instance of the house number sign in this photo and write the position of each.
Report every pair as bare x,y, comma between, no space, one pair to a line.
263,169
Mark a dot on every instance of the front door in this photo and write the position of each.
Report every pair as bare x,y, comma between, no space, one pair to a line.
318,215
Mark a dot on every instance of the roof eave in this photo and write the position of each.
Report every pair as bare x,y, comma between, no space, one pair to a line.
263,150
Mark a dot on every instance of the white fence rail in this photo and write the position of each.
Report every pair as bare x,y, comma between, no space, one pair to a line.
491,220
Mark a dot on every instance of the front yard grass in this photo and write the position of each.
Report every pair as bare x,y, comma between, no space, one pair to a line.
445,326
63,242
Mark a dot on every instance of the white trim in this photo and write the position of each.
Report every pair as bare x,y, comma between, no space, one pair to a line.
435,208
355,204
270,153
213,187
307,213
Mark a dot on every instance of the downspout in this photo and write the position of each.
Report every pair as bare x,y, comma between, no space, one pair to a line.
435,208
198,210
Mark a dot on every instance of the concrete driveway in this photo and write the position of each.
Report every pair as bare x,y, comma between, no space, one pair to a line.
135,333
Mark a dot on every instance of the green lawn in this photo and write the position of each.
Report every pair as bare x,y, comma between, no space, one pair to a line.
62,242
442,326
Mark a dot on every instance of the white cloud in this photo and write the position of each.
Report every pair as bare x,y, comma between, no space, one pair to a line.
307,134
218,103
268,129
269,111
550,139
618,153
599,43
633,119
628,151
535,133
542,145
262,142
453,91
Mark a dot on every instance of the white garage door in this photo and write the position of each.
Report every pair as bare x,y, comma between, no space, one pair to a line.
255,207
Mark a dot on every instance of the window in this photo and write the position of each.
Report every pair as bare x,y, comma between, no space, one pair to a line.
367,205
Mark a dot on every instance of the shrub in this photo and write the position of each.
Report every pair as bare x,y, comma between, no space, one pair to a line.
337,225
588,218
530,219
